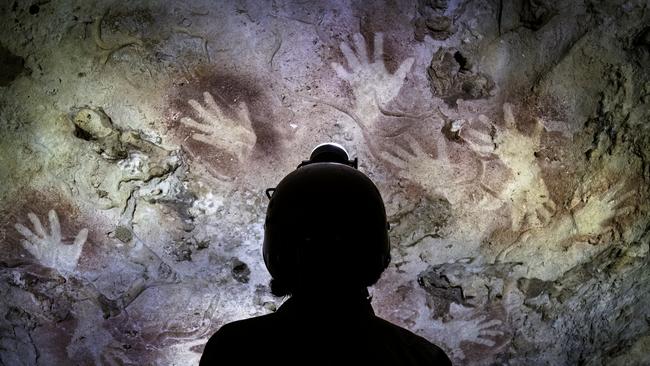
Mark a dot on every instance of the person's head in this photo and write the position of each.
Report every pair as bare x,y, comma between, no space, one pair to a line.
325,228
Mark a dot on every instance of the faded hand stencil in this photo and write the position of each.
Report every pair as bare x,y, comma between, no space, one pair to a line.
372,84
592,215
470,302
452,328
570,238
420,167
463,327
526,192
48,248
374,87
232,134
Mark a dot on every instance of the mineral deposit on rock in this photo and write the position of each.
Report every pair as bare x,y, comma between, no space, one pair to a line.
510,141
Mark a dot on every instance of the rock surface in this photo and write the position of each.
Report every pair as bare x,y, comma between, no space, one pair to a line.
509,139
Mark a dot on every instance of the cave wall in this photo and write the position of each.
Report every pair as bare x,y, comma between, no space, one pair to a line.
509,139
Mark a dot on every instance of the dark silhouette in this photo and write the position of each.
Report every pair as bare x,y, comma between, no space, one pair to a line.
325,241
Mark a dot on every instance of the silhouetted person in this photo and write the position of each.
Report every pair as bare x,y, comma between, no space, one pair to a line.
325,241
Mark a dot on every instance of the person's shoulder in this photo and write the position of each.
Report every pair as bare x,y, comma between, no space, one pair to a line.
414,342
229,339
243,327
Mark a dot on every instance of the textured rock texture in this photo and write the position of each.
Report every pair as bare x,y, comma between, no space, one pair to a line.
510,140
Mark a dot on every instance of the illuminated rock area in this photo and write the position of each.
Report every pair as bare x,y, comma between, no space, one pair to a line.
510,141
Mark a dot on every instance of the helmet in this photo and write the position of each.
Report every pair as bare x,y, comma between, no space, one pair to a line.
326,221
